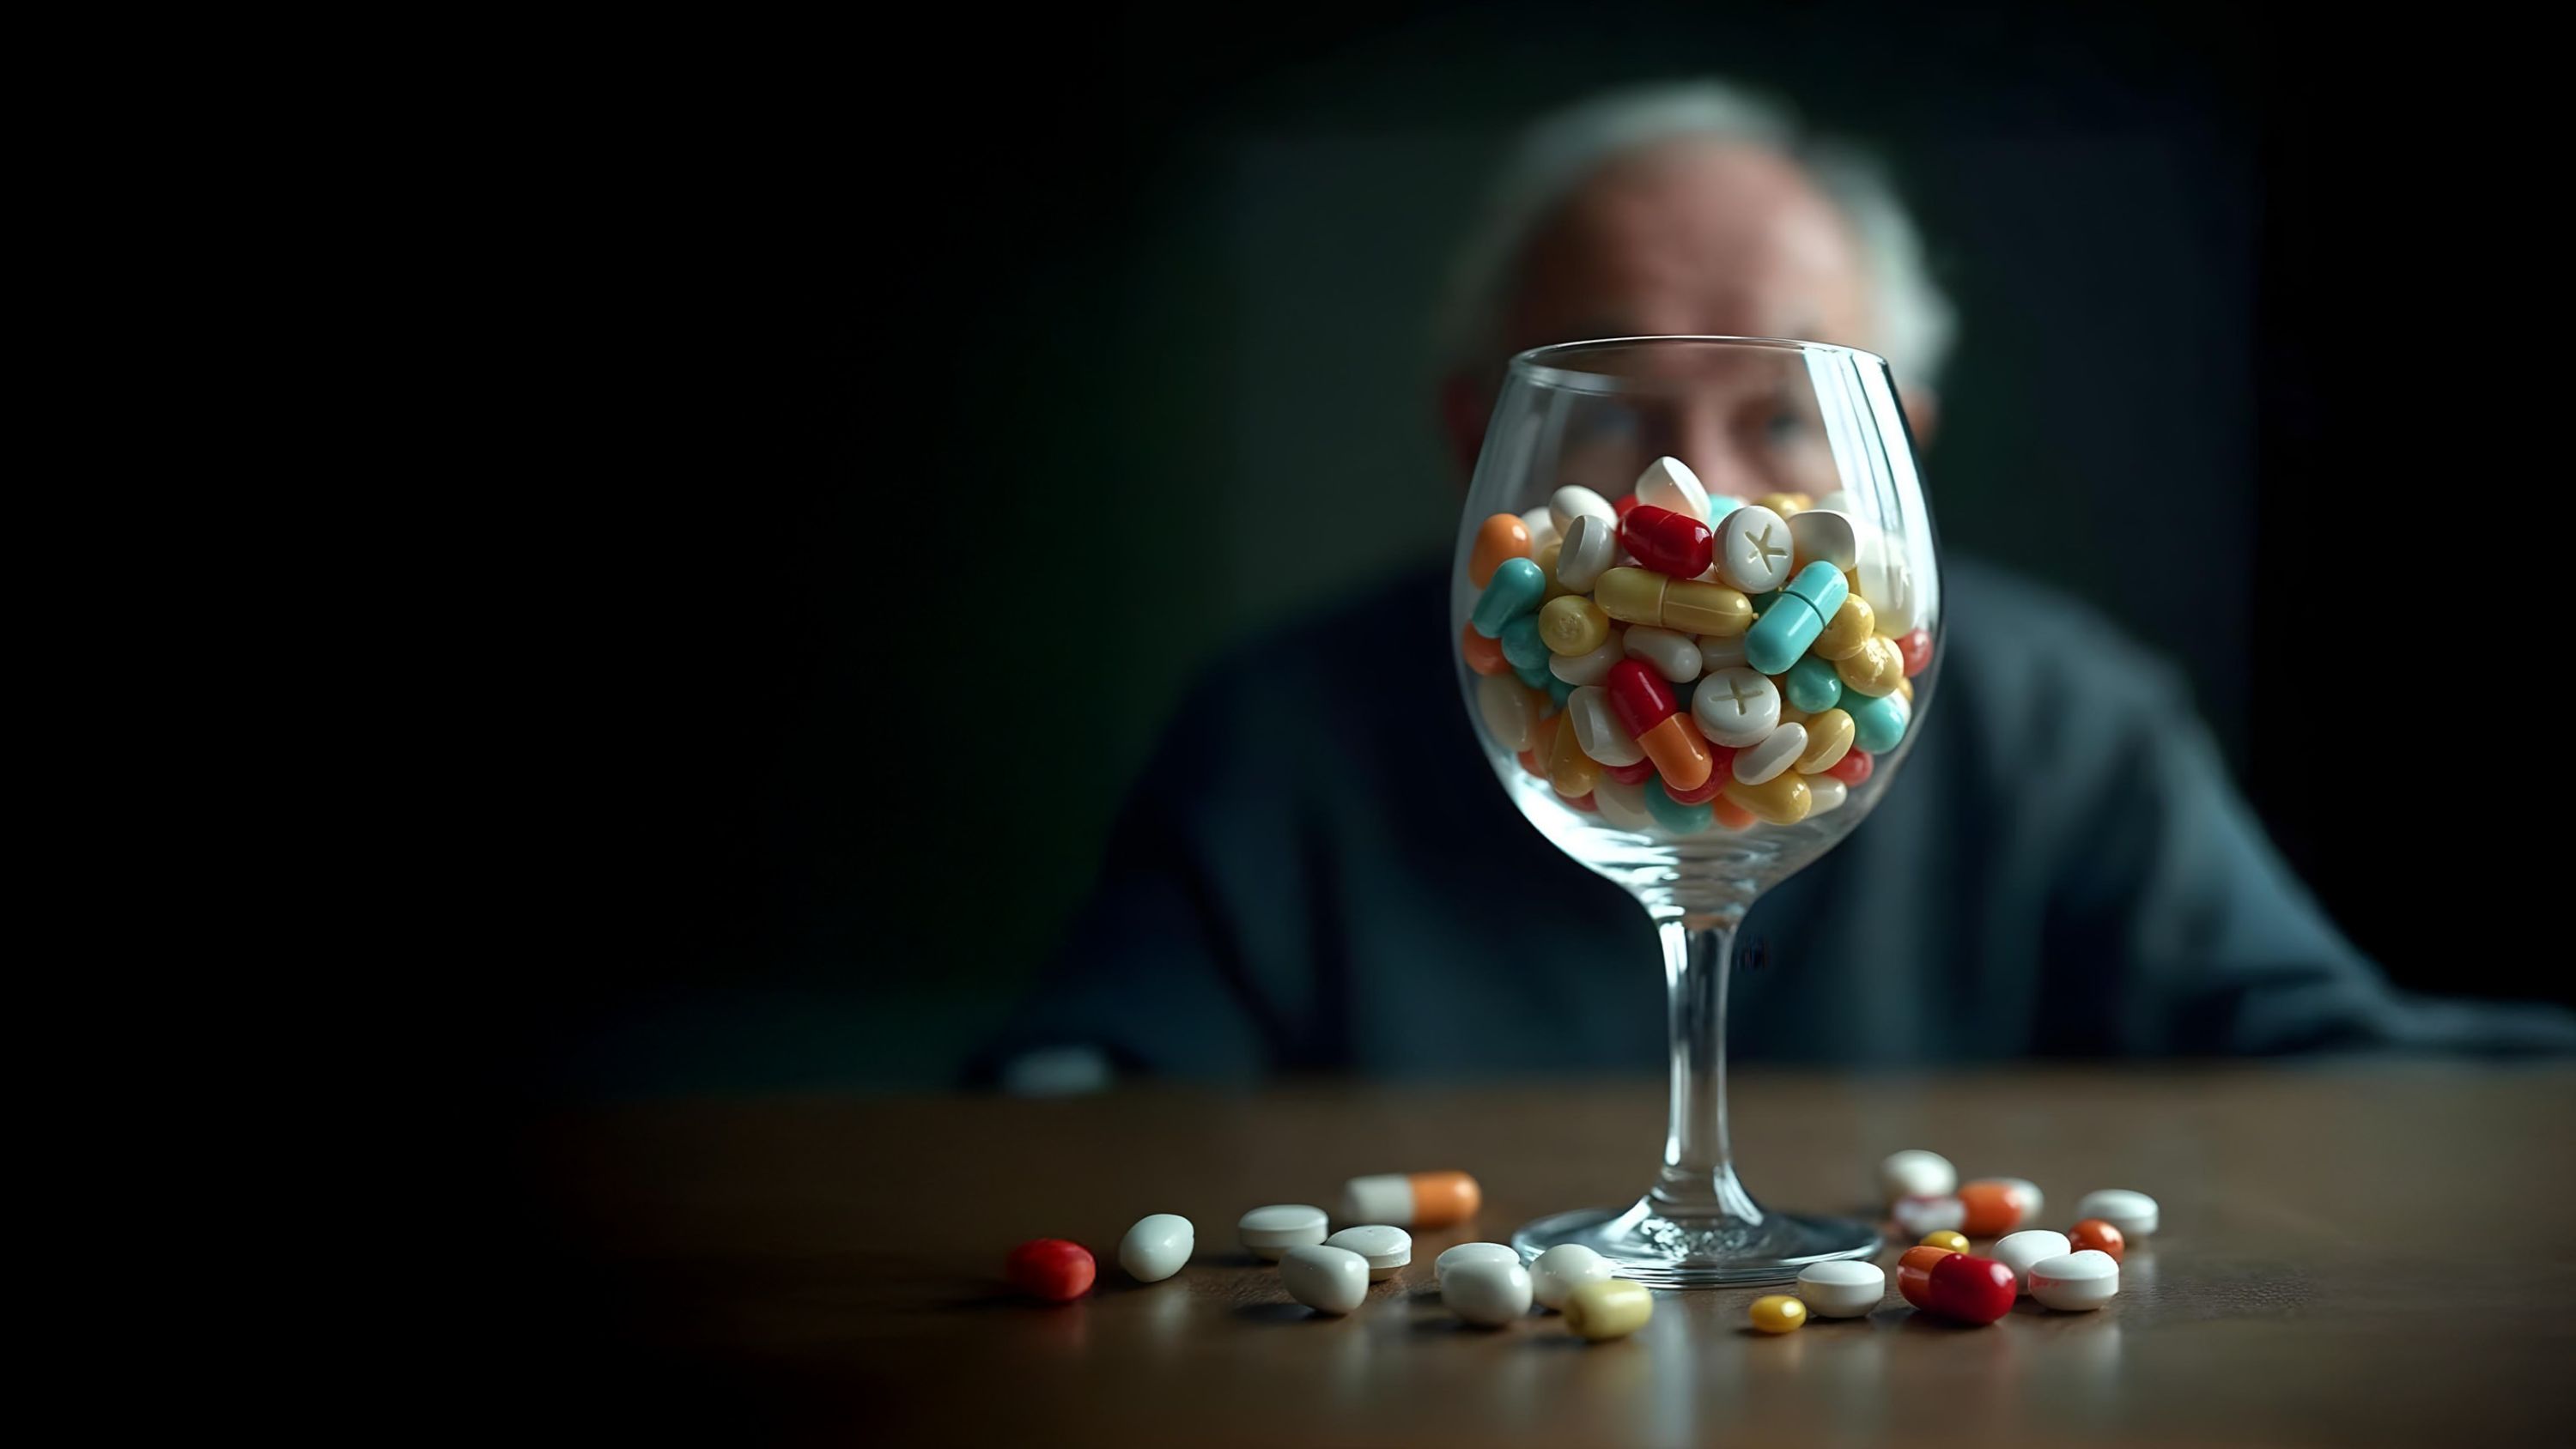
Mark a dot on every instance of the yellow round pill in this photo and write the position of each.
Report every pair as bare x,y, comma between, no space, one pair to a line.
1950,1238
1785,504
1611,1308
1779,1313
1874,668
1849,629
1573,625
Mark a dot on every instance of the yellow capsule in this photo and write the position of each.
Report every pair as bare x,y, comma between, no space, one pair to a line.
1829,738
1785,504
1950,1238
1573,625
1633,596
1779,1313
1711,609
1875,669
1849,629
1510,709
1611,1308
1571,771
1546,561
1784,799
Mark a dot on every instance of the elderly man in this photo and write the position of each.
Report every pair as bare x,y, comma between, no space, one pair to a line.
1318,872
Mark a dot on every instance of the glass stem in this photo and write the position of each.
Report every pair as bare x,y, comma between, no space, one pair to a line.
1698,1177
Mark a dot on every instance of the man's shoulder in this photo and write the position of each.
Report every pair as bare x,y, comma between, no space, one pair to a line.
2011,633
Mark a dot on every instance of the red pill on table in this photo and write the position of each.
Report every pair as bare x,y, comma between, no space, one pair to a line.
1852,769
1051,1268
1916,650
1969,1289
1914,1272
1673,544
2098,1235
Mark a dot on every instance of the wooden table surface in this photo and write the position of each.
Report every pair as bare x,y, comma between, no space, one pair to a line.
2348,1254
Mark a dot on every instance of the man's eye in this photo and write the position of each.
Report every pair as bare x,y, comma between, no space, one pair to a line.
1780,427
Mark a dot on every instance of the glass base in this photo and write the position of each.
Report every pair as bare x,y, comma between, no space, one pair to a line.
1664,1252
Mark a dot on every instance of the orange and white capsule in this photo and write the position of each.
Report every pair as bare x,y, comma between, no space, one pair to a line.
1411,1200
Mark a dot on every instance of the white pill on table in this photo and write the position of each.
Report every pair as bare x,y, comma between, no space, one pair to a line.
1590,667
1471,1253
2076,1282
1823,535
1825,793
1575,501
1669,483
1272,1231
1842,1290
2133,1213
1914,1172
1772,755
1672,654
1754,550
1736,707
1920,1215
1157,1247
2018,1251
1386,1248
1622,805
2031,1199
1887,582
1542,530
1590,547
1562,1269
1598,728
1328,1280
1485,1292
1716,654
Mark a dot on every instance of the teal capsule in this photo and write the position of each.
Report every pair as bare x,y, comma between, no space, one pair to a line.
1672,814
1877,724
1720,505
1523,645
1765,603
1559,690
1812,684
1537,678
1781,635
1517,588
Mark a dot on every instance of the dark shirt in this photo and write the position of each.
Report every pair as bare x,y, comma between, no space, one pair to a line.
1318,870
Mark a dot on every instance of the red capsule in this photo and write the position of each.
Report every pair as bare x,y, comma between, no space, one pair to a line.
1852,769
1673,544
1636,774
1914,1273
1970,1289
1625,504
1640,696
1051,1268
1916,650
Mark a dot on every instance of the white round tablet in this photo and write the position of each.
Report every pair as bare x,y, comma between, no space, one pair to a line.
1471,1253
1562,1269
1385,1248
1157,1247
1916,1173
1328,1280
1841,1290
1272,1231
2075,1282
1486,1292
1738,706
2018,1251
2133,1213
1754,550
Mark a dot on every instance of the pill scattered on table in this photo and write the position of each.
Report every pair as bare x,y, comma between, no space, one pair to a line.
2033,1203
1561,1270
1326,1279
1053,1269
1777,1313
1950,1238
1157,1247
1916,1173
1386,1248
1914,1272
1486,1292
1842,1290
1968,1289
1411,1200
1920,1215
1471,1253
2018,1251
1990,1208
2095,1235
2133,1213
1607,1308
1270,1232
2075,1282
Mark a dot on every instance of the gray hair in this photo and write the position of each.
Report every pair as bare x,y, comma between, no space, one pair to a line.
1916,322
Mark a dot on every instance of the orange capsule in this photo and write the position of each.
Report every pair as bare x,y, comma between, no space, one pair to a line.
2098,1235
1914,1273
1993,1208
1731,815
1411,1200
1500,537
1677,752
1483,655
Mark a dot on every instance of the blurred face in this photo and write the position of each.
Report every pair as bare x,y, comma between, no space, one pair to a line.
1693,236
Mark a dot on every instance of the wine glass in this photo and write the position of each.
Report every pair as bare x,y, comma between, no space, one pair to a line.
1756,423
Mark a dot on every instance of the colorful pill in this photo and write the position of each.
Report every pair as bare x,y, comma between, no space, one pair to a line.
2097,1235
1852,625
1778,1313
1873,669
1590,547
1753,549
1632,596
1052,1269
1784,799
1968,1289
1570,772
1772,756
1829,738
1790,625
1877,724
1497,538
1673,815
1721,773
1621,506
1675,545
1510,711
1516,589
1841,1290
1950,1238
1674,655
1573,625
1737,706
1852,769
1636,774
1612,1308
1914,1273
1730,815
1590,668
1530,678
1575,501
1557,691
1645,706
2018,1251
1916,647
1524,643
1811,684
1556,1273
1696,607
1670,484
1483,655
1993,1207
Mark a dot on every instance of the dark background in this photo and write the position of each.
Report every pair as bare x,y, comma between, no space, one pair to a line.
1001,374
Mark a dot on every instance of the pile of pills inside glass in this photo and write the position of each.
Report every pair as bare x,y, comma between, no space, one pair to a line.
1677,660
1487,1285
